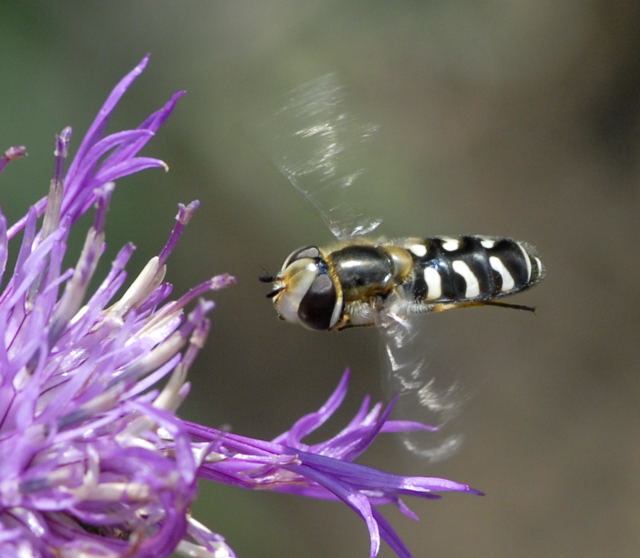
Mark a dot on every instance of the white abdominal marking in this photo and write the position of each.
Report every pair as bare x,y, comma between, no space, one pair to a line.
419,250
507,279
450,244
527,259
473,287
434,283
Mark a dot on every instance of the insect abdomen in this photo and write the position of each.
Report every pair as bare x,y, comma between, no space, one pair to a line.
472,268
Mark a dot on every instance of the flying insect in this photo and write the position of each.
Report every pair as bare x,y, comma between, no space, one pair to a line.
362,280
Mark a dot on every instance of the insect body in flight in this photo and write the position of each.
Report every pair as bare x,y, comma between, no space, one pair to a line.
356,283
319,146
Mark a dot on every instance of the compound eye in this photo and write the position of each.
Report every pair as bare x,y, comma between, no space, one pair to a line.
311,252
317,305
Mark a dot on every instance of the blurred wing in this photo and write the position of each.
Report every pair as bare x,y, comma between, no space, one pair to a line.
318,146
433,397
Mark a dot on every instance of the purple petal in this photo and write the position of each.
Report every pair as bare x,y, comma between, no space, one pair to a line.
12,153
312,421
99,124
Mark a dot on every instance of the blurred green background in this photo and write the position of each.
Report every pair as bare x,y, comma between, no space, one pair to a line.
515,118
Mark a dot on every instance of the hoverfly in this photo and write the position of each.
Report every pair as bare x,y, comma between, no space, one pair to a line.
364,281
355,282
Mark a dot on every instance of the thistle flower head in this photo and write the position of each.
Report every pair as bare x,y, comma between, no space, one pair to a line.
94,462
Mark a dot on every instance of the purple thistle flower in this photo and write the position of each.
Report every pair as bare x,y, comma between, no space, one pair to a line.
324,470
93,459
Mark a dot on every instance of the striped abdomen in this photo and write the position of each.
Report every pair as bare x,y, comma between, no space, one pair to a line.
471,268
